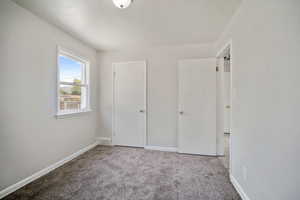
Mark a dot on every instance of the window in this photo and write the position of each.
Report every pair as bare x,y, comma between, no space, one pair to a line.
73,84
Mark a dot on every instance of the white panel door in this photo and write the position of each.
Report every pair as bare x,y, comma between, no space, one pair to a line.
197,106
129,114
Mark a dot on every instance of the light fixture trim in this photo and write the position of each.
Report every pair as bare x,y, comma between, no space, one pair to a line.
122,4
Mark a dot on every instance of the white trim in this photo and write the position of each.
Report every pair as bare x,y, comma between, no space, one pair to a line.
104,141
72,54
44,171
227,44
64,115
146,104
145,97
238,188
158,148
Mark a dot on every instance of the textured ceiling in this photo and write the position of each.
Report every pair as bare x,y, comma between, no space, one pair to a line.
145,23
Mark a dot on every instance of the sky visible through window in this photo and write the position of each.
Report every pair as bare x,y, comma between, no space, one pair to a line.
69,69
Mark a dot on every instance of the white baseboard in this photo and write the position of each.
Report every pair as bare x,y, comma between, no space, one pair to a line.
44,171
104,141
157,148
239,188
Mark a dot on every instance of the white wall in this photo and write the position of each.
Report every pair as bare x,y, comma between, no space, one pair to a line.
162,88
31,138
266,96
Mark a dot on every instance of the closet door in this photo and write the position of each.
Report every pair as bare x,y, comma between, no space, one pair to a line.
197,106
129,110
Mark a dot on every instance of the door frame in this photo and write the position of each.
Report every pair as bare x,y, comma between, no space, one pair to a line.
145,99
229,45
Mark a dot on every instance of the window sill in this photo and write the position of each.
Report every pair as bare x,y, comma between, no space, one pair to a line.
63,115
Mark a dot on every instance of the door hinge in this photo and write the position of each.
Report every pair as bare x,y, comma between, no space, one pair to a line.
217,68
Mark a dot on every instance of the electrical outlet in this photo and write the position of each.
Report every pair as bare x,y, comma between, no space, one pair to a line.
244,173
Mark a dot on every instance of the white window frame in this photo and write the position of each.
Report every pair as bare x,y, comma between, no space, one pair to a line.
86,71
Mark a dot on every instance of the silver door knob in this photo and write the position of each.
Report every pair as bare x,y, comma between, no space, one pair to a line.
181,112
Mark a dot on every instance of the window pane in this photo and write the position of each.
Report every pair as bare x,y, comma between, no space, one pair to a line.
70,70
72,98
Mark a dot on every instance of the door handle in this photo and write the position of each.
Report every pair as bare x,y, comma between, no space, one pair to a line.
181,112
142,111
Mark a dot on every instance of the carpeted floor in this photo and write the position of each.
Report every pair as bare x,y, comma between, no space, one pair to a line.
121,173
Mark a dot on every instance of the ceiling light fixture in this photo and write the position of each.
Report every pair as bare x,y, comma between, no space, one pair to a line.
122,3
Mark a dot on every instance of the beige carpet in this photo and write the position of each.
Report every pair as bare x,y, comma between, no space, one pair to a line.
120,173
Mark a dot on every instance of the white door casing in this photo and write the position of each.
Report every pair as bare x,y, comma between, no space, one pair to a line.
129,104
197,106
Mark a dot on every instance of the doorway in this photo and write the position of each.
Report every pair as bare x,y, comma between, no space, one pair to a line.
224,105
129,104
